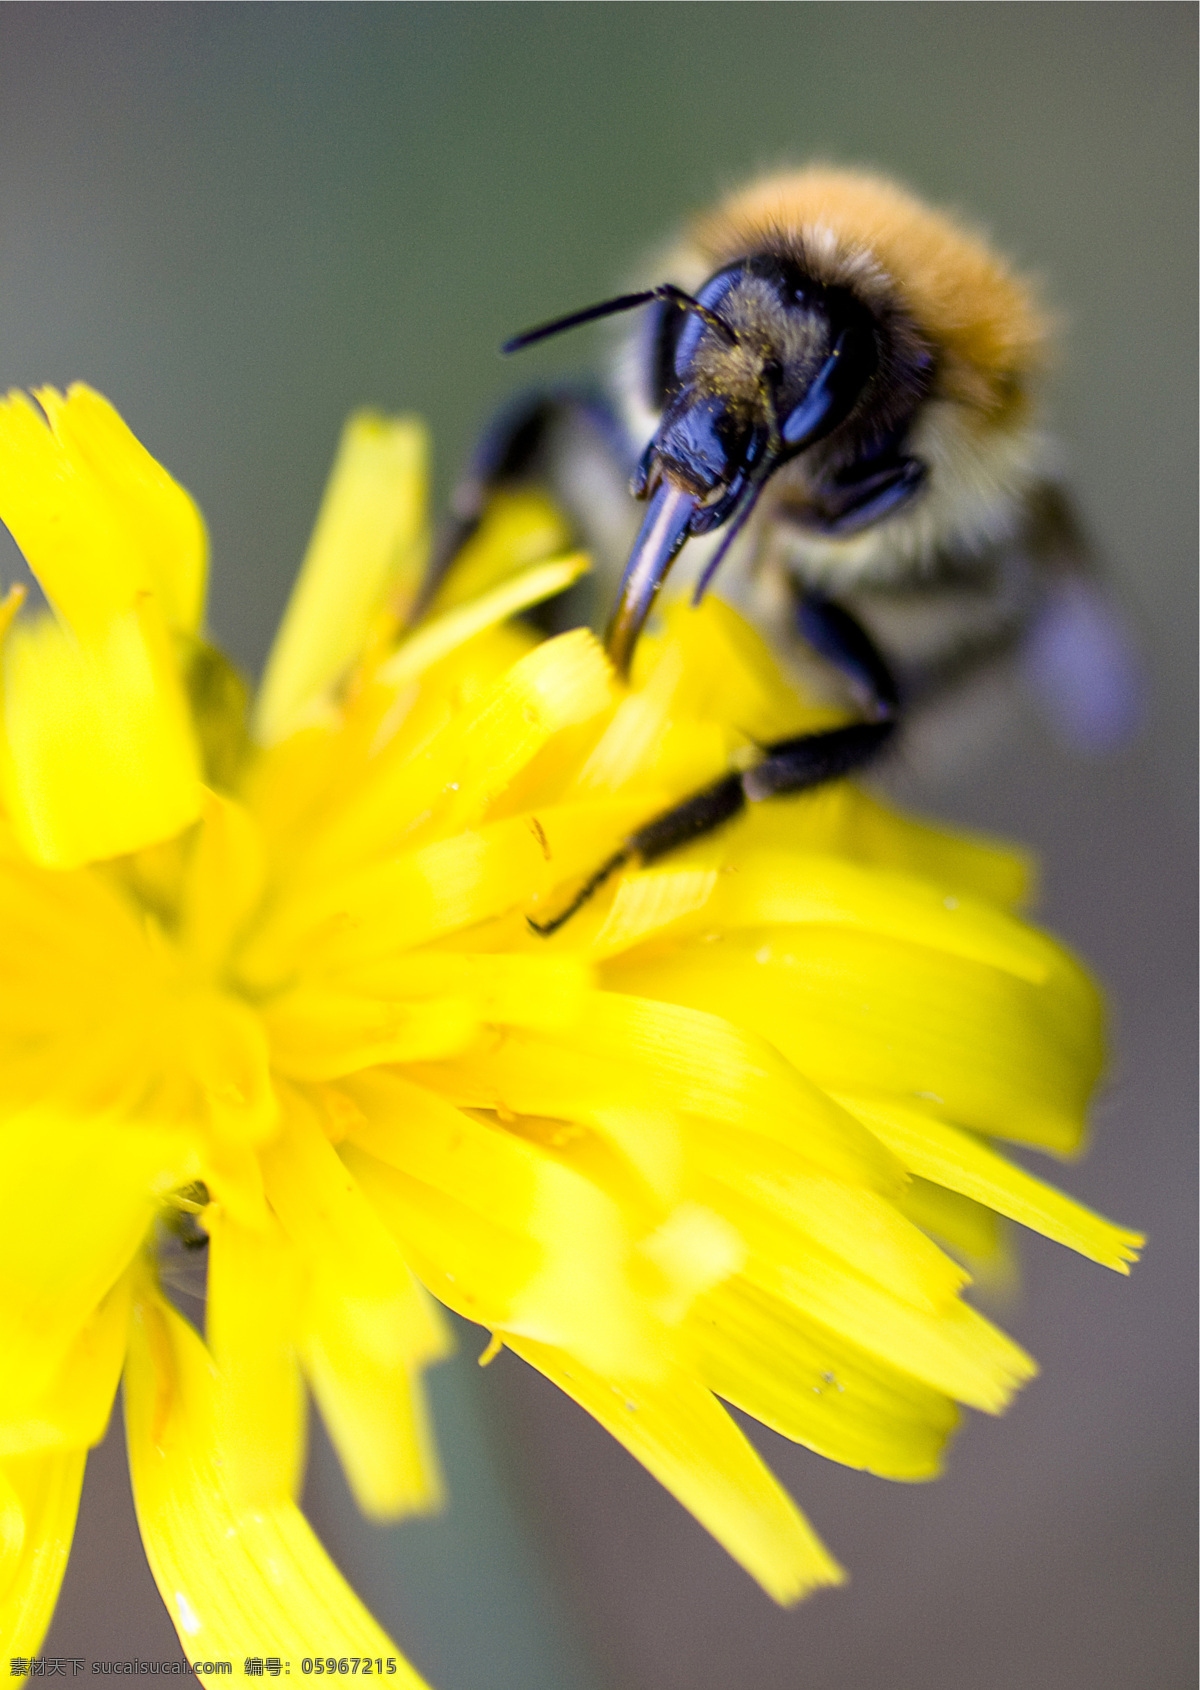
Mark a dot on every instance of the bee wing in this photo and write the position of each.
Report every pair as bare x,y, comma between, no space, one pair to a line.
1079,655
1083,667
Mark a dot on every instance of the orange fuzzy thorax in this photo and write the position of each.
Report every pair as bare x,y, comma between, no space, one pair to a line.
982,320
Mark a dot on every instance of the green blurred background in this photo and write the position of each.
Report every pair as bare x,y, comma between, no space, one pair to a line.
240,222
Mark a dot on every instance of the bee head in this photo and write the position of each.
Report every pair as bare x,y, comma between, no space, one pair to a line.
765,363
772,363
761,364
839,325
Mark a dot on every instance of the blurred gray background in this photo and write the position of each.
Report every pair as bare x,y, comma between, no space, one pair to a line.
242,221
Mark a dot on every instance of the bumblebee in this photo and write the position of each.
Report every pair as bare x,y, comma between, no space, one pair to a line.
830,397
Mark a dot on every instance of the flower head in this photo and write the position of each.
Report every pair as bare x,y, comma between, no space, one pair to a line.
277,988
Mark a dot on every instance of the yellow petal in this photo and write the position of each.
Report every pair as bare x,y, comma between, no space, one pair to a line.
101,524
973,1234
779,1185
952,1348
363,1327
98,756
542,990
499,1229
251,1307
225,1049
225,876
519,527
444,778
375,1407
73,1411
691,1251
438,889
782,888
647,742
233,1175
680,1433
82,999
318,1034
329,804
77,1199
945,1154
39,1499
234,1579
846,821
418,1007
559,684
366,550
434,640
339,1239
851,1011
651,902
814,1386
665,1057
725,670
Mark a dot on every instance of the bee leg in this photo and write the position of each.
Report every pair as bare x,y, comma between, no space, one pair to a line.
841,639
864,496
513,449
787,767
808,760
702,813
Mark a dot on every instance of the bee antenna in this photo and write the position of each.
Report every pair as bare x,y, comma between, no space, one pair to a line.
623,302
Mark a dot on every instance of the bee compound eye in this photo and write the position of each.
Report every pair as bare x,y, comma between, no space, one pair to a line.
833,392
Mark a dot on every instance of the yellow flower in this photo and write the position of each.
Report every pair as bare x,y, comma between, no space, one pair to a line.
282,988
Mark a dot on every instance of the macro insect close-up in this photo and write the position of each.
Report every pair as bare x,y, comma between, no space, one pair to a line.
596,1081
838,386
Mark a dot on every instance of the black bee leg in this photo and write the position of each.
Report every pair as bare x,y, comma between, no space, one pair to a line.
702,813
861,496
788,766
513,449
808,760
841,639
